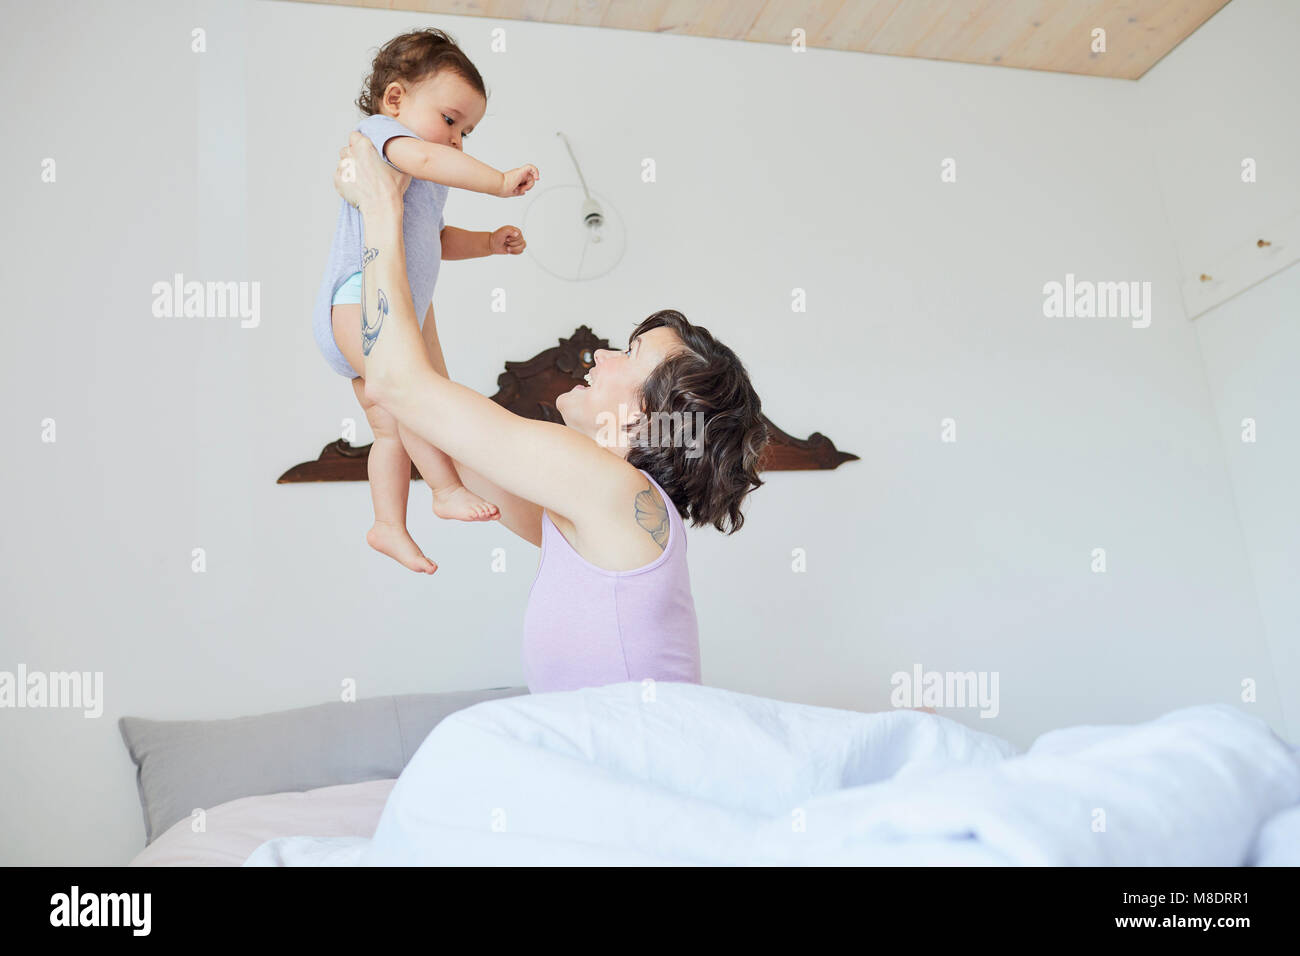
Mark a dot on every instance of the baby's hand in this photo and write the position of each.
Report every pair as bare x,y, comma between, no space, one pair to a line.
507,241
516,182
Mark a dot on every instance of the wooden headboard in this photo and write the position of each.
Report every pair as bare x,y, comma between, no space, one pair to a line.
529,388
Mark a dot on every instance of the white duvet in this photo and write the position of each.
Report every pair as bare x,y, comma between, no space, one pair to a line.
683,774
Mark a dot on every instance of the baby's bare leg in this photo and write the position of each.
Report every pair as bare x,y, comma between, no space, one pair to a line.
389,466
389,469
451,499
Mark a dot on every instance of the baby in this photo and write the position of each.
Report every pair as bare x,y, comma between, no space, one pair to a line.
422,98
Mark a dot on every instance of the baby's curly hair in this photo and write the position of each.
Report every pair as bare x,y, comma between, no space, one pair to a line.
412,57
706,382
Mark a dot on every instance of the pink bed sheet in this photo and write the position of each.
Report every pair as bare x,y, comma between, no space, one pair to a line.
234,830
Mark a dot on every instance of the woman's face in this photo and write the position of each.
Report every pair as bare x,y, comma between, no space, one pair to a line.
604,407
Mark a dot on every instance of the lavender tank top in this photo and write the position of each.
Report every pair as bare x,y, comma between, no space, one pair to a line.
585,626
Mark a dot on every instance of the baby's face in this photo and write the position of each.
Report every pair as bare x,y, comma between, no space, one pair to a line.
443,108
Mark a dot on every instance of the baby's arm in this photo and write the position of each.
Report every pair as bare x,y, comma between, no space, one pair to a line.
464,244
449,166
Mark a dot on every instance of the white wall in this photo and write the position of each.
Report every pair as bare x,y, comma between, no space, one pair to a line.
1229,93
1226,93
775,171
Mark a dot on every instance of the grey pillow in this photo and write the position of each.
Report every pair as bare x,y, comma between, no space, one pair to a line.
187,764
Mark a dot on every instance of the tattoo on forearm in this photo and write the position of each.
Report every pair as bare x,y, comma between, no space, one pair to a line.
370,330
652,515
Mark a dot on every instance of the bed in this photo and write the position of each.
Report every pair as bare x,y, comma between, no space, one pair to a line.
678,774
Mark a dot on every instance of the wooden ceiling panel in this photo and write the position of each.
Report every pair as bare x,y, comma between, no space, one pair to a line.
633,14
855,25
774,22
1054,35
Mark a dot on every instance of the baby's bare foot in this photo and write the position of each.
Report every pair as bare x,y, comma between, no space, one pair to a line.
396,542
462,504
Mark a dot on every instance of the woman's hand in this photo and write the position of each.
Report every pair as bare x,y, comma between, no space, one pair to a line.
365,180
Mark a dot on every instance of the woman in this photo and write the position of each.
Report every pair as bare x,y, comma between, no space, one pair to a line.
605,493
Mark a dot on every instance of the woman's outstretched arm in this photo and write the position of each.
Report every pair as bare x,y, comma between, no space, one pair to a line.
542,462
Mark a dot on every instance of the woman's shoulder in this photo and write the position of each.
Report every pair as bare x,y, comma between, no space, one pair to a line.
616,491
632,528
654,511
646,491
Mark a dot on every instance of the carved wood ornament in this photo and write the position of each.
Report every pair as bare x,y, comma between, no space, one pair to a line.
530,388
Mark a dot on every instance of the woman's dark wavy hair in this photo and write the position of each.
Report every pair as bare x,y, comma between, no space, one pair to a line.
411,58
706,483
